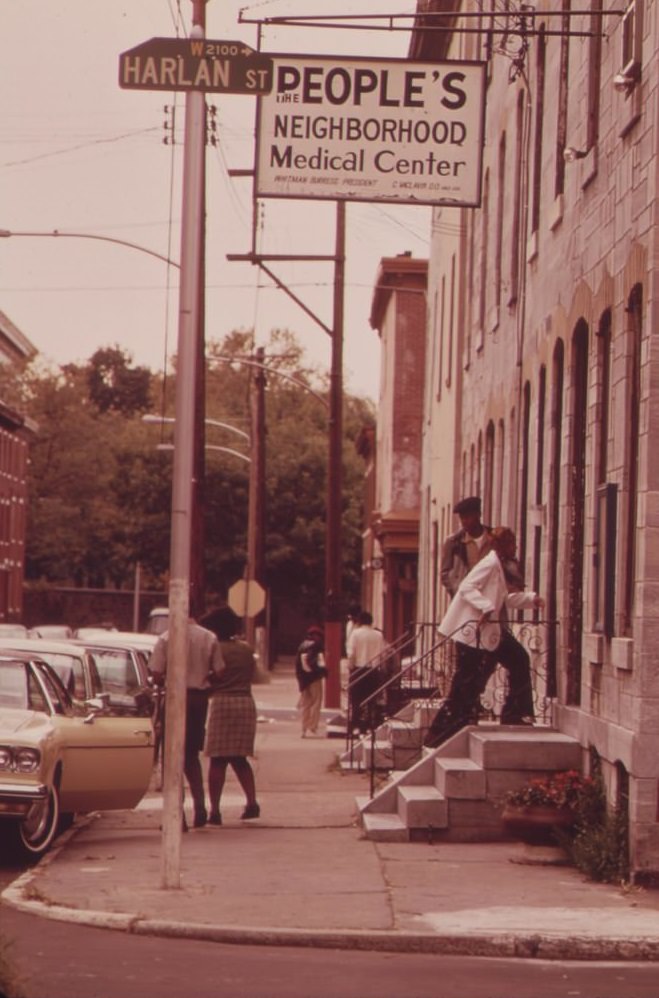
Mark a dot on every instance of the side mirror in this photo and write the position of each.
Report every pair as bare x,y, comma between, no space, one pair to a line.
99,702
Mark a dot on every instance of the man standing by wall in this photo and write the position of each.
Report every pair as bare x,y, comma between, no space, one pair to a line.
463,549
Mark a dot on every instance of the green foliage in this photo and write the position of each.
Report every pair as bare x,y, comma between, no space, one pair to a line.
598,843
99,492
600,850
114,385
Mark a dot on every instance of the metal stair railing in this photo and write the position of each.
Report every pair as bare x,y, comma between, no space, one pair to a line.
363,677
375,706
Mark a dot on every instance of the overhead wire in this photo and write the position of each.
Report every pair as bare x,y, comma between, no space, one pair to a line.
81,145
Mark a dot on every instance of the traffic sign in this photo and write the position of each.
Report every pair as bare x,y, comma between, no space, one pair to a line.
228,67
247,597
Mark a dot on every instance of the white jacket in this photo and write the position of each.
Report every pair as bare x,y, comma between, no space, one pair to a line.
482,590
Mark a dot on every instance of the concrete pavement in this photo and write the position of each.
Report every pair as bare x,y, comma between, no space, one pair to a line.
303,874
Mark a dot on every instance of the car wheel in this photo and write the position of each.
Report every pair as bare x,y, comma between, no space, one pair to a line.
39,827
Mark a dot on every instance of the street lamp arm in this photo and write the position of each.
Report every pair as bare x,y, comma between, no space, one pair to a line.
56,234
152,419
225,450
273,370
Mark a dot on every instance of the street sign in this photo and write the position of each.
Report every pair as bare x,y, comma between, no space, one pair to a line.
227,67
361,129
247,598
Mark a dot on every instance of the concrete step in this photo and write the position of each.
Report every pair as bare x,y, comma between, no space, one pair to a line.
421,807
460,778
404,734
424,712
470,821
380,755
522,748
384,827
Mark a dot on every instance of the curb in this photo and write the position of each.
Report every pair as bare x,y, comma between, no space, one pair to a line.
483,943
536,946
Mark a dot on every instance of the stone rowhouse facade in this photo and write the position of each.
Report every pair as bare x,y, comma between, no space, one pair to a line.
391,539
543,366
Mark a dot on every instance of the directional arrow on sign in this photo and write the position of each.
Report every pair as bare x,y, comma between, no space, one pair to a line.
215,66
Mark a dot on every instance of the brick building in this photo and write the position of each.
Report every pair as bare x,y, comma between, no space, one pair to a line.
541,351
391,539
15,432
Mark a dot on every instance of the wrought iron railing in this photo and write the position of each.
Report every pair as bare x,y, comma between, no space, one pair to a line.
419,669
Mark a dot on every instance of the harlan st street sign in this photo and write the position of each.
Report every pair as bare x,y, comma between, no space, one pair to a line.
229,67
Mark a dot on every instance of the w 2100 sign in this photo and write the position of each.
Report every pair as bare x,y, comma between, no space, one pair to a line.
195,64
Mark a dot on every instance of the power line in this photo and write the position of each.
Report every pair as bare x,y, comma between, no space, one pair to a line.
78,147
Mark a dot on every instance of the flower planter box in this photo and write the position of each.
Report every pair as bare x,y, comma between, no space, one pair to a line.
536,824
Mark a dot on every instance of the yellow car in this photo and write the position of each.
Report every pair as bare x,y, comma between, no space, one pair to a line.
59,757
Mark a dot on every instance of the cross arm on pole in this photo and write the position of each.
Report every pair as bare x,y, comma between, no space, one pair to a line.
258,259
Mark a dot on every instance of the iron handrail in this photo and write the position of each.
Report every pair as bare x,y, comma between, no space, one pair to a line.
369,702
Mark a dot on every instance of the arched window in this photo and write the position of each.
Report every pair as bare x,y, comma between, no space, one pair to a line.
498,248
634,310
539,474
488,484
561,107
524,498
605,539
538,113
577,499
554,505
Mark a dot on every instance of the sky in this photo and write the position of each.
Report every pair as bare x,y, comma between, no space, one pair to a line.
79,154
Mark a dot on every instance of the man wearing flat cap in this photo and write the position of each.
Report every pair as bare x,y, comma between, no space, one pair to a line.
460,553
462,550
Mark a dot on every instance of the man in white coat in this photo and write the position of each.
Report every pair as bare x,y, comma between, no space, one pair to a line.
474,621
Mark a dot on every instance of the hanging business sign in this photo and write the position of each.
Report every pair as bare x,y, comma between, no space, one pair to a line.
372,130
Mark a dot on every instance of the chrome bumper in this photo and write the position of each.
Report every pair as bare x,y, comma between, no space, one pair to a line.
16,798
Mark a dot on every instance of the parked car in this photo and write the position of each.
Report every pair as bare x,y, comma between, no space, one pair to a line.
61,632
158,620
59,756
92,630
123,671
13,631
121,677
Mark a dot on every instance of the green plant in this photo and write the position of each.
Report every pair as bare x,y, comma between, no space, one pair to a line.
600,851
568,789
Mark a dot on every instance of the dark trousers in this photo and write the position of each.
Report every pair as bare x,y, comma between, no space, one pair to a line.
196,708
364,681
473,668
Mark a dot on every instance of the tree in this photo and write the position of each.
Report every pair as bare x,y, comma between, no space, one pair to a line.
114,385
100,493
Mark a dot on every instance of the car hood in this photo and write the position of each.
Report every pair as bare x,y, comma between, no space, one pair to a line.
13,721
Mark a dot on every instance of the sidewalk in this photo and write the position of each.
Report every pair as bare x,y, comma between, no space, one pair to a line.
304,875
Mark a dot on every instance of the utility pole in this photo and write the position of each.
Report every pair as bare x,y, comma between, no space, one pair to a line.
183,473
333,543
256,514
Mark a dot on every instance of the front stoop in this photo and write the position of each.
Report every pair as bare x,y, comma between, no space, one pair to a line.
398,740
455,792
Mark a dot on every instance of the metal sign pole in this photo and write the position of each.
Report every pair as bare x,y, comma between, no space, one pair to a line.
333,553
182,484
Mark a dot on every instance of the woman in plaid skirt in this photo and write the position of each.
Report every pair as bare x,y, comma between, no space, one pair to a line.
231,724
